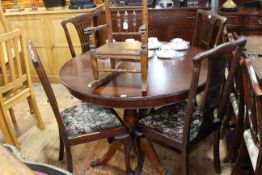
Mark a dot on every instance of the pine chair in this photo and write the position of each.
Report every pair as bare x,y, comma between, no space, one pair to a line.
251,140
208,31
183,125
80,22
16,81
83,123
127,20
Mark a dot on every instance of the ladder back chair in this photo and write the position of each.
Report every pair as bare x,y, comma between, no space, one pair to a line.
209,27
80,22
83,123
127,20
251,139
5,26
183,125
16,81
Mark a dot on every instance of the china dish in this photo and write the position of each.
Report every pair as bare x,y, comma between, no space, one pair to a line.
169,54
180,46
154,45
150,54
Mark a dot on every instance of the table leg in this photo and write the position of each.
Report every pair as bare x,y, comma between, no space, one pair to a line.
114,146
148,150
130,117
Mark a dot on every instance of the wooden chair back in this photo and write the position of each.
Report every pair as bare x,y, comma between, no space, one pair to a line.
16,79
253,109
209,27
216,89
126,21
80,22
47,87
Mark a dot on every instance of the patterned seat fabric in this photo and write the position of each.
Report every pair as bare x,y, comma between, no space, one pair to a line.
169,120
87,118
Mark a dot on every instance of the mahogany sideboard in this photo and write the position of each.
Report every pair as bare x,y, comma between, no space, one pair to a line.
246,21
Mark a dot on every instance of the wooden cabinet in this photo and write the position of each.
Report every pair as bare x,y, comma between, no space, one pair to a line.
45,30
246,21
166,24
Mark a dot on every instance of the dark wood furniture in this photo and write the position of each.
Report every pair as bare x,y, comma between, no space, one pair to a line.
82,123
126,25
167,23
209,28
251,139
183,125
245,21
80,22
124,90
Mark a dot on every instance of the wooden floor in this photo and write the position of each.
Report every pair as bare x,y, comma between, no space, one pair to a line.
43,146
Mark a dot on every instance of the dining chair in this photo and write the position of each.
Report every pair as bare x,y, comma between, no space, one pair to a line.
208,31
251,138
80,22
232,126
130,21
185,124
16,81
83,123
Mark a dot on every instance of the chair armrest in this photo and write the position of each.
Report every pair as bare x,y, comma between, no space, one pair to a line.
91,30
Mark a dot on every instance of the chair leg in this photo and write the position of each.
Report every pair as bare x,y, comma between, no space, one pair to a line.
30,106
185,162
94,66
61,149
69,161
12,115
7,128
32,102
144,69
241,155
216,152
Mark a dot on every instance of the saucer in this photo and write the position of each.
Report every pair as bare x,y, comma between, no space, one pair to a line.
169,54
154,45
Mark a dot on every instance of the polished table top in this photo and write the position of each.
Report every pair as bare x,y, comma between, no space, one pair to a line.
168,81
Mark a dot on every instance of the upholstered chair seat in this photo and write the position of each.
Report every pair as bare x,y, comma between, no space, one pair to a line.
169,120
87,118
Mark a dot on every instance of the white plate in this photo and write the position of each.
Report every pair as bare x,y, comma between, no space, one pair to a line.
155,45
169,54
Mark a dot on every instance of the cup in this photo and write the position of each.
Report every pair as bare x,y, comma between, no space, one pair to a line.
165,48
152,40
177,41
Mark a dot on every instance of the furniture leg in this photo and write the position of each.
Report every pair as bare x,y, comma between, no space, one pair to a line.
114,146
7,129
150,153
32,101
94,65
69,161
61,149
144,68
216,151
12,115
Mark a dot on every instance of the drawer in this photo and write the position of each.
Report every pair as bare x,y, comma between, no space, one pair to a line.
252,21
234,20
171,17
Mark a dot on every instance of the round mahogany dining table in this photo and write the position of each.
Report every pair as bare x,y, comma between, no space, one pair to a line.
168,82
